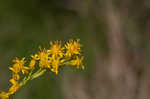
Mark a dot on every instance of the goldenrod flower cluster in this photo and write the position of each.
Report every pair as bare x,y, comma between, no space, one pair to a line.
50,59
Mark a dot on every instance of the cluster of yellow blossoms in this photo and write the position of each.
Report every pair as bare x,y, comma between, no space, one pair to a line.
45,60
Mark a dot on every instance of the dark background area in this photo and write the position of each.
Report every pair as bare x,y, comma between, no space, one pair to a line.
115,35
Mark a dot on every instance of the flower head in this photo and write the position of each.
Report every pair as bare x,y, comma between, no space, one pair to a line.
55,65
78,62
15,86
4,95
72,48
56,49
19,66
35,57
32,64
44,59
15,69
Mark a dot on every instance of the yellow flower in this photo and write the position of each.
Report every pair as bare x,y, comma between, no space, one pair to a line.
55,65
44,59
78,62
19,66
56,49
15,68
35,57
72,48
4,95
53,58
15,86
32,64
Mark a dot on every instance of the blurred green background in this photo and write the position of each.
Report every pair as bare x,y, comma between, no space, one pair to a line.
115,35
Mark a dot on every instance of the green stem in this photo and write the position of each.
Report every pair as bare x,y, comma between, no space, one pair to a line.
25,80
31,76
38,73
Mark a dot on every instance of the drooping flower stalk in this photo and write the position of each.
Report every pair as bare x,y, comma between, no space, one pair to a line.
45,60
